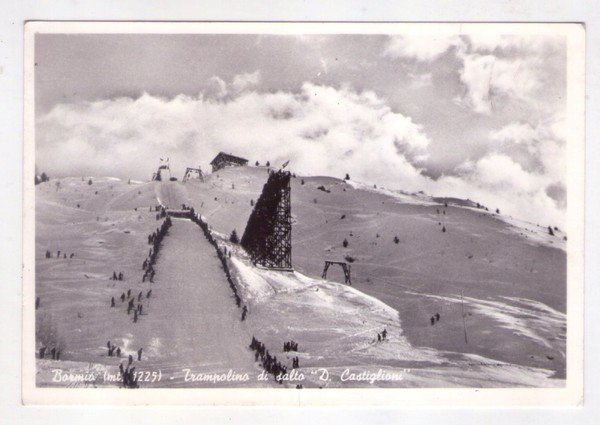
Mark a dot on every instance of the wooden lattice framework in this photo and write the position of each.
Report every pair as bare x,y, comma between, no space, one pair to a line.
158,175
268,234
191,173
345,267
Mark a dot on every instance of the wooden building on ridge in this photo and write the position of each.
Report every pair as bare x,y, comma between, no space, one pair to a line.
223,160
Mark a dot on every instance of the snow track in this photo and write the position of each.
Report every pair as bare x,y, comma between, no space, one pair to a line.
193,322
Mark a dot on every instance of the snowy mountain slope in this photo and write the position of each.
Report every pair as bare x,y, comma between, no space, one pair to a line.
511,288
484,256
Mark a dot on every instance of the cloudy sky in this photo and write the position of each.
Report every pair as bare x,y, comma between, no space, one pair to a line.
479,117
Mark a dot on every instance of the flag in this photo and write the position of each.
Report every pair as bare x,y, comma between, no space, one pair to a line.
285,164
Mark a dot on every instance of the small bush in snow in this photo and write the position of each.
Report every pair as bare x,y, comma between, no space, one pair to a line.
42,178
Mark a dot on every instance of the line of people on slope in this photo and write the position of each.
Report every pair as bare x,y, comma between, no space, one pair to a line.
130,379
270,363
128,376
116,276
131,306
54,353
155,240
114,350
222,256
290,346
49,254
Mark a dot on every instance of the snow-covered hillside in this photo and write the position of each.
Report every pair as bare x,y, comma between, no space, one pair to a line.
482,255
501,283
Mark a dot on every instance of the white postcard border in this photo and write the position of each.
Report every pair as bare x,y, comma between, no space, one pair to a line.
571,394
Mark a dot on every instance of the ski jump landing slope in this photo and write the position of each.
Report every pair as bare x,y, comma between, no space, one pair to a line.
191,321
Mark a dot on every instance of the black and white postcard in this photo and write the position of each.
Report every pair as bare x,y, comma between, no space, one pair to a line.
269,213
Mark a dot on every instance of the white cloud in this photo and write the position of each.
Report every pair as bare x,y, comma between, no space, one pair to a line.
490,79
324,65
420,80
420,47
511,43
497,69
245,81
523,173
497,181
323,130
499,172
544,142
216,88
516,132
